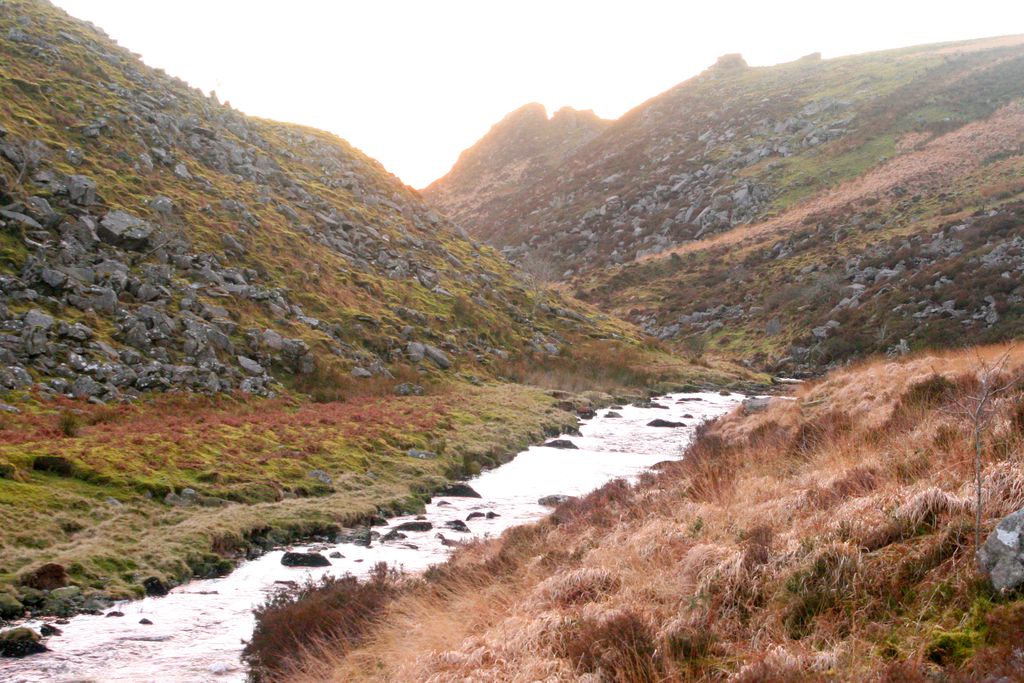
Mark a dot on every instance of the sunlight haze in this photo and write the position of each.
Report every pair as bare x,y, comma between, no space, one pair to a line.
413,84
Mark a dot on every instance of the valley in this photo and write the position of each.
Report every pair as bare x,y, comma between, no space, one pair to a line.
737,375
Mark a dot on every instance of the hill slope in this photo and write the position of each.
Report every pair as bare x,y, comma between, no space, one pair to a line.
154,232
736,144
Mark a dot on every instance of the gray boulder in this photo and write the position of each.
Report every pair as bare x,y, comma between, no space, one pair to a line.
555,500
124,230
438,356
1001,558
81,190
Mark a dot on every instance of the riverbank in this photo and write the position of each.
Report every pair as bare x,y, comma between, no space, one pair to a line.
830,536
152,495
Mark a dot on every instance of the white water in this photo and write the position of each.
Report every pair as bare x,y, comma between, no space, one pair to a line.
199,629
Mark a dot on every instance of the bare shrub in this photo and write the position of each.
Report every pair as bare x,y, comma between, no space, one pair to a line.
339,611
619,646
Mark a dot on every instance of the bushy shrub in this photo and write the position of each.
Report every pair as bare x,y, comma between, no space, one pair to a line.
336,610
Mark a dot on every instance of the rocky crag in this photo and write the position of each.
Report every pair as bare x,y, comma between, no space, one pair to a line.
518,151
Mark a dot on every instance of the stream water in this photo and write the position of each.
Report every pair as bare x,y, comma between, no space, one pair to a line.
198,630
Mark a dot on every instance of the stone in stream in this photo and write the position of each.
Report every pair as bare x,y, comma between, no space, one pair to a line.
20,642
393,535
560,443
474,515
457,525
689,398
115,613
336,555
145,622
555,500
414,526
154,586
445,541
459,490
47,630
291,559
492,515
665,423
612,413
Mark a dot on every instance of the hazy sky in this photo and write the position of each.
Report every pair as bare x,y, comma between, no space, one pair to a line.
414,82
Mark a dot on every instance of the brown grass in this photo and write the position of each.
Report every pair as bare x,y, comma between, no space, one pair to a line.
828,536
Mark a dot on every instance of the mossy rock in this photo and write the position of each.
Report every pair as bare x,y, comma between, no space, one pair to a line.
10,606
20,642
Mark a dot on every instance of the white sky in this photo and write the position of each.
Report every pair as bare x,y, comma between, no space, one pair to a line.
414,82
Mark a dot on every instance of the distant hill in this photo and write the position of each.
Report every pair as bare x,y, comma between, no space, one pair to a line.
518,151
798,215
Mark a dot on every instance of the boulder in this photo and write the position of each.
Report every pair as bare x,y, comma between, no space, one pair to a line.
555,500
439,357
320,476
613,414
474,515
291,559
458,490
756,405
1001,558
665,423
421,455
53,464
48,630
457,525
10,606
46,578
560,443
81,190
408,389
250,366
124,230
154,586
20,642
414,526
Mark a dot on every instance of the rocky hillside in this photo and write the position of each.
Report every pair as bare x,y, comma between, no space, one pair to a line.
518,151
152,238
922,252
736,145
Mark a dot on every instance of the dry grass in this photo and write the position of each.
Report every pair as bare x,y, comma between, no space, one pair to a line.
829,536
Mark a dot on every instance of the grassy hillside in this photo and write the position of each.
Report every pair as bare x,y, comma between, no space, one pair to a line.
828,536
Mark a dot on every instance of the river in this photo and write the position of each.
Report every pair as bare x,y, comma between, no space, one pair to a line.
199,629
